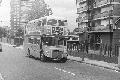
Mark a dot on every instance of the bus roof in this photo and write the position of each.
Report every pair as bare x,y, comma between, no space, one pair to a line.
48,18
52,17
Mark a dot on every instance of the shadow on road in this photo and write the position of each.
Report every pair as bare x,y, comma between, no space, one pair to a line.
48,61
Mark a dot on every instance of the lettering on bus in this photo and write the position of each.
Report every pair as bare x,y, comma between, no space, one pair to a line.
58,30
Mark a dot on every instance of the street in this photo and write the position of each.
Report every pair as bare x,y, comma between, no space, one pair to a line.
14,65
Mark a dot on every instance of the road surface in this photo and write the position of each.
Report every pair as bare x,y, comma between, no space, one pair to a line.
14,65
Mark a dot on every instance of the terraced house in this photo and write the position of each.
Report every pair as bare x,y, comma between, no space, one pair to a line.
99,19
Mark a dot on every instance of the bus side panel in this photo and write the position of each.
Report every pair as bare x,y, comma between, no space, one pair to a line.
25,48
37,51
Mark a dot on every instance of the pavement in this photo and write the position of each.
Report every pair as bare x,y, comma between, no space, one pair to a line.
96,63
103,64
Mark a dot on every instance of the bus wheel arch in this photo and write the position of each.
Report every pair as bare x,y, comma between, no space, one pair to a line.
63,60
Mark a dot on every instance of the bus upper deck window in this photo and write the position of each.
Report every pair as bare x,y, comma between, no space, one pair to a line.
44,22
61,23
52,22
39,23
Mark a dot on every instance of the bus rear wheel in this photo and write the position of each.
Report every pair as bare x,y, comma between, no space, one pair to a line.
42,57
63,60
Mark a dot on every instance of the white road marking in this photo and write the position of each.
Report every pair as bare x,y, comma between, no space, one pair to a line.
73,74
69,72
65,71
1,78
60,69
55,67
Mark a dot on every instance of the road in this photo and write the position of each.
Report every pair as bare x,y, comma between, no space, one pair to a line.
14,65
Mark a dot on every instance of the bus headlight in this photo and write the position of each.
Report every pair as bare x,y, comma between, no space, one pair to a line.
47,52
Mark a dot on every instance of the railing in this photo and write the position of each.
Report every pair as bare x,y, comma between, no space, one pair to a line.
96,16
103,2
79,1
81,9
82,19
100,28
104,14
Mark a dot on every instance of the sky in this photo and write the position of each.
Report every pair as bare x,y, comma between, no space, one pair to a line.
64,8
5,13
61,8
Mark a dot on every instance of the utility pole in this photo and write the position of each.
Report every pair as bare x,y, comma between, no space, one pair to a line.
86,31
110,28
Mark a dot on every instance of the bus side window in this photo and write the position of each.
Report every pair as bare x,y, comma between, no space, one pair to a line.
35,41
30,40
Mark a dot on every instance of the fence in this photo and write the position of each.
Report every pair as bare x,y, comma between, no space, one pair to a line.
102,54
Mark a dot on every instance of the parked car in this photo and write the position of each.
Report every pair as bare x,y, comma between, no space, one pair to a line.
0,47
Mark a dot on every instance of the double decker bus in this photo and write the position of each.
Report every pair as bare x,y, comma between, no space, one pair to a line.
45,38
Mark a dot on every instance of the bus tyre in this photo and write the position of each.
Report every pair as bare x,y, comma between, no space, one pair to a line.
42,57
63,60
0,50
28,54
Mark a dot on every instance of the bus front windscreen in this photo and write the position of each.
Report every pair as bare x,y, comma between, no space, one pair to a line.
52,22
52,41
62,22
49,41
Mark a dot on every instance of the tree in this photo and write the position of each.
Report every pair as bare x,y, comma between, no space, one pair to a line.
39,9
19,33
3,32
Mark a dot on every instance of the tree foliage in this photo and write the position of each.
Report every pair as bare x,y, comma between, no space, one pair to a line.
3,32
19,33
39,9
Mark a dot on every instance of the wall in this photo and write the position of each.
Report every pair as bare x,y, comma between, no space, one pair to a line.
106,22
105,38
106,9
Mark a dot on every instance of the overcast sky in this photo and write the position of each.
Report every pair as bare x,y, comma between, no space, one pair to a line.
61,8
64,8
5,12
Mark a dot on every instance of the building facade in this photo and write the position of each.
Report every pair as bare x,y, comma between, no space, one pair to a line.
15,14
97,18
18,12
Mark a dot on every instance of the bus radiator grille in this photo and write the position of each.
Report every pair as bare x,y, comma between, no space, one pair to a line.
57,54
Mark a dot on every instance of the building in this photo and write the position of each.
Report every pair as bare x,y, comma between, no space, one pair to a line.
19,17
97,18
15,14
18,12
